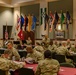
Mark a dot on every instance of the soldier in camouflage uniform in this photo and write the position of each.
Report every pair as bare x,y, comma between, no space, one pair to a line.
73,48
46,42
6,65
48,66
52,47
62,50
6,54
12,51
39,48
56,43
68,44
35,55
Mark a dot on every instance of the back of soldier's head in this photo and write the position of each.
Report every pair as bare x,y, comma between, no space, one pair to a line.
46,36
68,40
64,43
7,52
29,49
37,43
47,54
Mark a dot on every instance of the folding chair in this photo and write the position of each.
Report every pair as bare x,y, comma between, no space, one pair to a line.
74,60
60,58
26,71
2,72
67,65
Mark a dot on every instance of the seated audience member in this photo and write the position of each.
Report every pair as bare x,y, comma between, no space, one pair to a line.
45,42
12,51
39,48
48,66
73,49
68,44
62,50
56,43
52,47
6,65
6,54
35,55
29,41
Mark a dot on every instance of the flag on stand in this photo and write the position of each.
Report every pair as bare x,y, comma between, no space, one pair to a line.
62,18
42,15
26,22
46,20
67,19
22,21
21,35
34,22
51,20
18,22
56,19
6,33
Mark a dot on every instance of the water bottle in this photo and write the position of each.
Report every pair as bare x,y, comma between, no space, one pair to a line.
13,58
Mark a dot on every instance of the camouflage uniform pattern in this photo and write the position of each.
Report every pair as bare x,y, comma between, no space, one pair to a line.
39,49
68,45
14,52
73,49
37,56
48,67
62,50
52,48
46,43
6,64
29,42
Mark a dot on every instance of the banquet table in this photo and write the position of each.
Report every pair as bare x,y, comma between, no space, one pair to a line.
67,71
62,70
22,53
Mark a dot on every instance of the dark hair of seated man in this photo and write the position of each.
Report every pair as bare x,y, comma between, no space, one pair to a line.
47,54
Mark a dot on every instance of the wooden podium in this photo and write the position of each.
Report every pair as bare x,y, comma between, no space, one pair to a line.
30,34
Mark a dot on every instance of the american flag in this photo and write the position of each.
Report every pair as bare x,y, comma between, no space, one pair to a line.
6,33
18,22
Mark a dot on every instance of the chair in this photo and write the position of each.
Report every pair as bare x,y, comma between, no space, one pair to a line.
67,65
2,72
25,71
53,55
16,42
60,58
22,53
74,59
